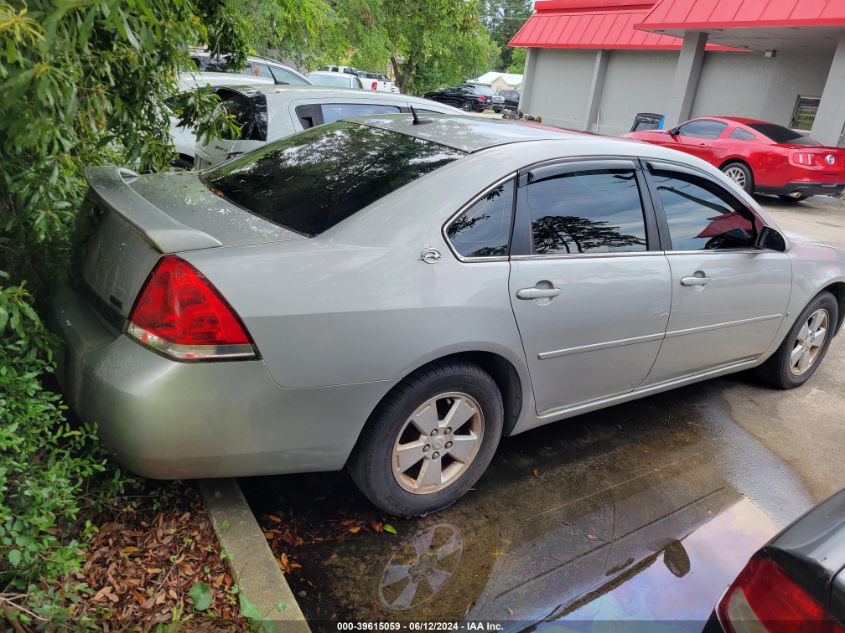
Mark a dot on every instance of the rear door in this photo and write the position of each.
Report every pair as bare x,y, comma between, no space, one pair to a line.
589,286
728,297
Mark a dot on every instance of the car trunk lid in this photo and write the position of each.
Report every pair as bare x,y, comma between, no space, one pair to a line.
141,218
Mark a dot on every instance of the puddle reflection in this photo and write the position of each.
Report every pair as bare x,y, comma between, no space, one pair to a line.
571,528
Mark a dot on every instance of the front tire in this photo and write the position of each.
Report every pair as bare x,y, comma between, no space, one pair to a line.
741,174
429,440
805,346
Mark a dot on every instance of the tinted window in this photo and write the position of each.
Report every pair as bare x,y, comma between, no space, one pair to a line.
482,90
484,229
335,111
283,76
310,181
741,135
780,134
216,65
703,129
249,113
701,215
596,211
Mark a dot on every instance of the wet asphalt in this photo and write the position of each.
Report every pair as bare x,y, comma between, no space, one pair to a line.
642,513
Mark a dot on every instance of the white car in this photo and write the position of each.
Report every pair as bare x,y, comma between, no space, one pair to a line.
255,67
335,80
268,113
377,81
184,139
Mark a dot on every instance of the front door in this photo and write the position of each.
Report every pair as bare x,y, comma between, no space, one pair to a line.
590,297
696,137
728,297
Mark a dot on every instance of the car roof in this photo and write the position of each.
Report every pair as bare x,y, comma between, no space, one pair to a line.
732,119
191,80
331,73
467,133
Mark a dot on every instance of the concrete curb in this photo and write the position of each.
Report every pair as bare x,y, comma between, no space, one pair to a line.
254,567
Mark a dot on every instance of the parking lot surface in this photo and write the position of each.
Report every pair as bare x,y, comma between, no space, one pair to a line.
645,511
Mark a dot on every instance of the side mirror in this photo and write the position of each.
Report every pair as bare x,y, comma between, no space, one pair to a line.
769,239
675,131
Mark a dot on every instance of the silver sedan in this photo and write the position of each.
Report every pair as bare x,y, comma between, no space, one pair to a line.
394,295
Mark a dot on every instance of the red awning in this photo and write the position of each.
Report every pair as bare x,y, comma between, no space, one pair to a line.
731,14
592,24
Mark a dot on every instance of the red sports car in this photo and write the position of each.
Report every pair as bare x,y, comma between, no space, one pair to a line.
758,156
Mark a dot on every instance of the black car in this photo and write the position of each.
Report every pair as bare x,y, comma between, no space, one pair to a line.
464,96
511,98
794,583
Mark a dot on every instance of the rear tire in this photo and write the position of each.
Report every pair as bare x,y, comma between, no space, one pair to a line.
405,461
467,106
801,352
741,174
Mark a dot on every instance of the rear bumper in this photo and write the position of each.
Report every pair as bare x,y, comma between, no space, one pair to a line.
172,420
805,188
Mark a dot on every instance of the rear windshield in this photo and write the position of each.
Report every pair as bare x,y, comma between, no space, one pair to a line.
482,90
311,181
780,134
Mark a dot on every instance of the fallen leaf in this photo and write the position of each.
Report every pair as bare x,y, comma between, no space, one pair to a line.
355,529
200,593
536,473
274,518
389,528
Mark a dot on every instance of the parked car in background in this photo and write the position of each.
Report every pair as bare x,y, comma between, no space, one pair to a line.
393,294
758,156
494,99
184,139
255,66
794,583
510,100
464,96
335,80
376,81
267,113
349,70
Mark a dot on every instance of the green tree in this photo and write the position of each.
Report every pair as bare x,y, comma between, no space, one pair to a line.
428,44
83,82
503,18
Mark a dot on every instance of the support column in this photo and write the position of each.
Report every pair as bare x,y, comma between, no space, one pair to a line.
527,80
596,87
687,75
830,118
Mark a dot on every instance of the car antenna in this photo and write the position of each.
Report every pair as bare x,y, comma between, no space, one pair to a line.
417,119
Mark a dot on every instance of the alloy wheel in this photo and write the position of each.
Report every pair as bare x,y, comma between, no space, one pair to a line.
809,342
737,175
438,443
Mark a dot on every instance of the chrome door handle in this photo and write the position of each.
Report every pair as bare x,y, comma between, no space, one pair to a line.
695,281
537,293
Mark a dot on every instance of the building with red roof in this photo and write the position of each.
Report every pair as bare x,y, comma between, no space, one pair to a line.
594,64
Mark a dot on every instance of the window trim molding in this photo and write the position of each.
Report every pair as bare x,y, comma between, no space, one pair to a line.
466,207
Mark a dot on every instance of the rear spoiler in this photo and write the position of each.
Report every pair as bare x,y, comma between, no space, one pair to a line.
110,186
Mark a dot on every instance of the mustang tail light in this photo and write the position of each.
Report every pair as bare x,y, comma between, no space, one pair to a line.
181,315
764,598
803,159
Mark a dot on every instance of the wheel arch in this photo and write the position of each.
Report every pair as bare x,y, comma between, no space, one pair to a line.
837,289
736,159
501,370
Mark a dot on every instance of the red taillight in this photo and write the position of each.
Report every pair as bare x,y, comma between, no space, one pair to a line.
179,313
765,598
806,159
374,86
482,98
